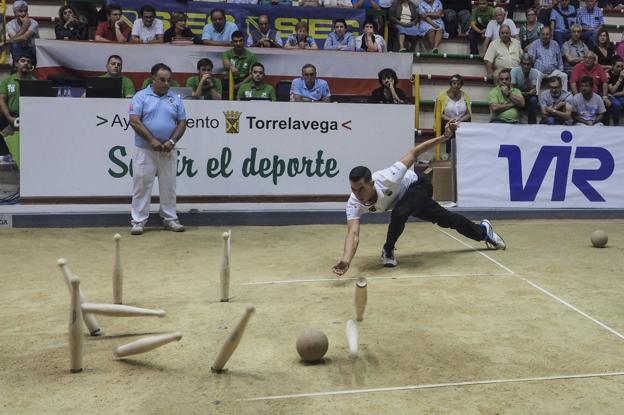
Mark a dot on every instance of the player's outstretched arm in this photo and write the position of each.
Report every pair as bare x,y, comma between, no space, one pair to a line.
409,158
350,247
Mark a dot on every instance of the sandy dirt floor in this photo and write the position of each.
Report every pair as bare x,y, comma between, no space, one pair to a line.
452,317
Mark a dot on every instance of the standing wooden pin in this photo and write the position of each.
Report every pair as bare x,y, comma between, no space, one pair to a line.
225,267
90,320
75,328
360,298
117,273
146,344
353,337
231,343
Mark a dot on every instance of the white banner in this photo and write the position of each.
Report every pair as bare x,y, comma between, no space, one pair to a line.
537,166
72,147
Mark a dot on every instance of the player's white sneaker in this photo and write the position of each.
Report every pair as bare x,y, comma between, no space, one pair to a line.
137,229
388,259
174,226
492,239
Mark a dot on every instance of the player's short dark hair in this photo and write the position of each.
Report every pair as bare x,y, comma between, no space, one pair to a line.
204,62
158,67
587,80
360,172
258,64
114,57
147,8
238,35
387,73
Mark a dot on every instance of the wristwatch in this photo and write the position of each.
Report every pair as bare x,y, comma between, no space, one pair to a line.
172,142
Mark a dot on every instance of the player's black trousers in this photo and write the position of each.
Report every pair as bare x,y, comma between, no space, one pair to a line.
418,202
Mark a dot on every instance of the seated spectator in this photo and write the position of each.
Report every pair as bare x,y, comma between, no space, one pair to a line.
587,107
451,105
147,29
591,20
562,18
530,31
21,33
9,98
388,92
479,19
616,90
69,27
503,53
148,81
239,60
574,50
619,49
547,58
179,30
369,40
366,4
544,8
431,23
457,15
256,88
556,104
204,84
300,39
113,29
493,27
114,67
526,78
505,101
604,50
340,39
218,32
404,18
309,88
589,68
264,36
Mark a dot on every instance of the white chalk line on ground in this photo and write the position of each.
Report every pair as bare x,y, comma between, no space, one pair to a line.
543,290
397,277
434,386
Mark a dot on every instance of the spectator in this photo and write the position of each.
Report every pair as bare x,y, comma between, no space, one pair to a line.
431,23
308,88
256,89
340,39
530,31
503,53
620,48
604,50
366,4
479,19
21,33
369,40
205,86
505,101
113,29
526,78
388,92
616,90
179,30
239,60
69,27
300,39
589,68
591,19
562,18
147,29
264,36
114,67
493,27
587,107
457,14
158,127
574,50
218,32
556,104
451,105
544,9
547,58
403,16
9,98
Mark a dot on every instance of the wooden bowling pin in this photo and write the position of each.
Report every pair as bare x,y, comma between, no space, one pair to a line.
360,298
146,344
353,337
75,328
232,341
225,268
120,310
117,273
89,320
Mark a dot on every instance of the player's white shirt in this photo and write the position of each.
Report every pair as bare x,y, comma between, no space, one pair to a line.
390,185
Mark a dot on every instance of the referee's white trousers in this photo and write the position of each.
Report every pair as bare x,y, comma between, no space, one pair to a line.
146,164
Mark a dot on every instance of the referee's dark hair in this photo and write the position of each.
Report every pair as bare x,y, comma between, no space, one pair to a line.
158,67
360,172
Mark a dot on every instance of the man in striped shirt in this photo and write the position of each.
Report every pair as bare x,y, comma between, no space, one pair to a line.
591,19
547,58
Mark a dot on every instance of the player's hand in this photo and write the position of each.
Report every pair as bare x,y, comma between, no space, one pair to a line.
340,267
450,129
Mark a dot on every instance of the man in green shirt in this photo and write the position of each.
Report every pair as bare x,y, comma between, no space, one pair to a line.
205,86
239,60
256,89
505,101
114,66
479,19
9,98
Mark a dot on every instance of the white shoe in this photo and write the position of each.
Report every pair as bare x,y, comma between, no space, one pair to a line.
387,259
174,226
492,239
137,229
